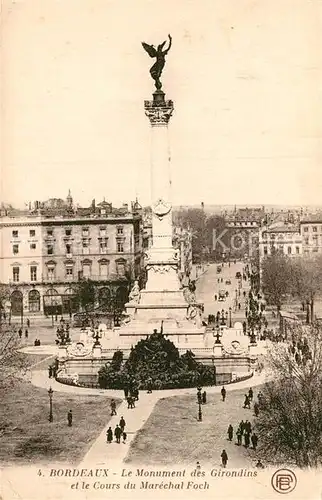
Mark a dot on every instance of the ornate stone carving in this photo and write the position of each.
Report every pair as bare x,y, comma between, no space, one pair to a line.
135,293
158,116
79,350
161,208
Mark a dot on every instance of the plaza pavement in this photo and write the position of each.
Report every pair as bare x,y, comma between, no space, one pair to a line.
102,453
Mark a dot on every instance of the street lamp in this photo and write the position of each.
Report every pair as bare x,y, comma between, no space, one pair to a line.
50,394
199,396
230,324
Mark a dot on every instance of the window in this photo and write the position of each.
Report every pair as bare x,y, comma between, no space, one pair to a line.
297,250
265,236
120,247
68,232
68,249
86,270
32,233
306,240
33,246
85,247
50,232
15,249
69,271
273,236
34,301
289,250
15,274
314,229
281,248
85,231
103,246
103,269
120,269
120,230
50,249
15,234
306,229
33,273
51,273
102,232
265,250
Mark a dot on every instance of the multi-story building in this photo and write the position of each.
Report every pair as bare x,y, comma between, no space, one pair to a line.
311,234
48,251
284,238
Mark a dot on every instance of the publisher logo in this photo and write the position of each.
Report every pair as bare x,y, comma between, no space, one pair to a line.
284,481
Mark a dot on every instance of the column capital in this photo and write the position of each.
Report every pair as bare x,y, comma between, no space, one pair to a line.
159,110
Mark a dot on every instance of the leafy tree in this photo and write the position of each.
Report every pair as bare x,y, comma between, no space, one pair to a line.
306,274
290,418
117,361
276,278
86,294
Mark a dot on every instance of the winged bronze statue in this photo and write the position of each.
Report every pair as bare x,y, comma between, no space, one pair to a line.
158,66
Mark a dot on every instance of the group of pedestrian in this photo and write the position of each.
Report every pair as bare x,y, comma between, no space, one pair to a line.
119,432
248,399
20,333
52,371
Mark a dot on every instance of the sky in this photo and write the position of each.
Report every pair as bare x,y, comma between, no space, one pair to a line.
245,77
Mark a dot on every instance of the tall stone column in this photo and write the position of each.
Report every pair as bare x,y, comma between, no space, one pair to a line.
162,261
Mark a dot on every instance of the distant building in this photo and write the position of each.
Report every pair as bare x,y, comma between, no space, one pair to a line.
311,234
284,238
47,251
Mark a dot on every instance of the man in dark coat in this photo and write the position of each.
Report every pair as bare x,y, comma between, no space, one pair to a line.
246,402
247,440
224,458
256,409
223,393
109,435
204,397
239,436
250,394
113,408
254,439
117,434
122,424
230,432
70,418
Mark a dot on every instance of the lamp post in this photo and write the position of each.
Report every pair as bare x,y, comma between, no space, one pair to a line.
230,324
199,397
50,394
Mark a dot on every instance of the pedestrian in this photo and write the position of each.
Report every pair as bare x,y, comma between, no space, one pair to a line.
230,432
224,458
113,408
149,386
117,434
215,297
204,397
126,392
50,371
28,323
250,394
259,465
248,427
254,439
70,418
223,393
109,435
246,402
256,409
239,436
124,435
122,424
26,333
239,306
247,439
20,332
242,426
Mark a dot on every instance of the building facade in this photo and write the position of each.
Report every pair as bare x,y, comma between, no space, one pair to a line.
284,238
311,234
48,251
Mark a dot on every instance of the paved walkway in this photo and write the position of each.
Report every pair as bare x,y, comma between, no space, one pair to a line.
135,418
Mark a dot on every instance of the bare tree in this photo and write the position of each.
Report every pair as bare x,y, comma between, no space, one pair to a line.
290,418
275,278
12,363
306,281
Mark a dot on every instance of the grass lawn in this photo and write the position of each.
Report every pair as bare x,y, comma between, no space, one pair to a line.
172,434
28,437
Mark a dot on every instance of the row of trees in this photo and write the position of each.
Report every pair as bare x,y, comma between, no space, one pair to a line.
155,363
290,418
299,278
